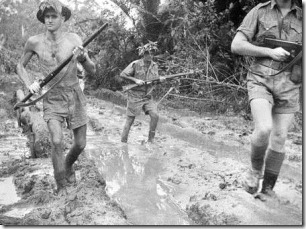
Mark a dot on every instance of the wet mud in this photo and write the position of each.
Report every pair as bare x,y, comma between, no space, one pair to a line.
191,175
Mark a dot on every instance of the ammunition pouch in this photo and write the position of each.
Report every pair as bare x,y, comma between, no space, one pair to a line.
296,74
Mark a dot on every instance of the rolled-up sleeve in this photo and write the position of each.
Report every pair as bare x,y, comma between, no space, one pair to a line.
249,24
129,70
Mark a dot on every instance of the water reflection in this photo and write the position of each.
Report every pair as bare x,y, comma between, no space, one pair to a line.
132,178
8,194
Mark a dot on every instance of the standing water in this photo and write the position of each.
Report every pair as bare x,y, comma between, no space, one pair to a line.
8,194
132,175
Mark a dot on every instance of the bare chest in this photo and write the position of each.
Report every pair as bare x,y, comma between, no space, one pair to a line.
52,53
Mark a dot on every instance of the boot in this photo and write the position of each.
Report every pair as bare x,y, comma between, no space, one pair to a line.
60,180
125,133
153,124
268,182
151,136
70,176
251,180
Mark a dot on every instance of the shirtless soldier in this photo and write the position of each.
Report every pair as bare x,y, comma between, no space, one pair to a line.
66,100
273,99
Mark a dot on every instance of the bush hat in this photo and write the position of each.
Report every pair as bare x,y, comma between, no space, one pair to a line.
147,48
56,5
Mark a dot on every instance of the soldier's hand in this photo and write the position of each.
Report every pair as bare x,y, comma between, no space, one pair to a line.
34,87
139,82
162,79
279,54
81,54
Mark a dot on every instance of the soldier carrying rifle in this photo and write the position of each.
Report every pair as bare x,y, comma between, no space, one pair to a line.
273,89
140,98
65,101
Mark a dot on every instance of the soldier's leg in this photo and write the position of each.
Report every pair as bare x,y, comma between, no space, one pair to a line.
153,124
133,109
275,154
150,108
128,123
262,116
55,128
78,146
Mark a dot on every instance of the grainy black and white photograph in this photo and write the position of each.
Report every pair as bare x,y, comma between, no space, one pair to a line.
151,113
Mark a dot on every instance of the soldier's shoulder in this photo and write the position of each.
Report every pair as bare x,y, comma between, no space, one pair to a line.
136,61
36,38
264,4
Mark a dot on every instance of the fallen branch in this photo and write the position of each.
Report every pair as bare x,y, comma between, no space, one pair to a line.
219,83
186,97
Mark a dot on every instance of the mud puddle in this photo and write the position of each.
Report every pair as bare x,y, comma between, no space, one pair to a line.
196,173
132,174
222,149
8,195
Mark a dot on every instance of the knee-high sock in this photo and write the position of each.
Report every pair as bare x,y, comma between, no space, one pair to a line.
274,163
258,156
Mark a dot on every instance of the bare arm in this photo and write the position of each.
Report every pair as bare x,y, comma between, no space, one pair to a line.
24,60
84,58
128,73
242,46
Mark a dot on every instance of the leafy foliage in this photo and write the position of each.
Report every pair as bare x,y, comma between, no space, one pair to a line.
191,35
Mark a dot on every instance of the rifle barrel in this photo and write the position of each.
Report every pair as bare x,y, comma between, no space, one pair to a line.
131,86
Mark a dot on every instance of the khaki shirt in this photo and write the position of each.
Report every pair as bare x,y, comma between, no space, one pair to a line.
137,69
264,19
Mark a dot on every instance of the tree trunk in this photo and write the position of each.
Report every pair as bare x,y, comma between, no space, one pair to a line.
35,128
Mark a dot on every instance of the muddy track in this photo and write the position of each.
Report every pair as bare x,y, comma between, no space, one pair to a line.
190,175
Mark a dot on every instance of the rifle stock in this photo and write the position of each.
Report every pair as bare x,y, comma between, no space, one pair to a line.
51,75
131,86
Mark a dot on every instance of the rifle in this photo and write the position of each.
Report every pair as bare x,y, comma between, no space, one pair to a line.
293,47
131,86
51,75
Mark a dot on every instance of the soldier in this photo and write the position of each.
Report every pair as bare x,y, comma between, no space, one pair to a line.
140,98
66,100
273,99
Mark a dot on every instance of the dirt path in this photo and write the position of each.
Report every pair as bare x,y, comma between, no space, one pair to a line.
191,175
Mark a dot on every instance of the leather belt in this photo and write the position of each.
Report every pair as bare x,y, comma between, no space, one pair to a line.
276,65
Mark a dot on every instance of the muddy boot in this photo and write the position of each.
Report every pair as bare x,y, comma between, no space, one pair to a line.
125,133
268,183
151,136
267,187
251,181
274,162
153,124
70,176
60,180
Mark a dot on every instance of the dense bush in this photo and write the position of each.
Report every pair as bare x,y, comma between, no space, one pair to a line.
191,34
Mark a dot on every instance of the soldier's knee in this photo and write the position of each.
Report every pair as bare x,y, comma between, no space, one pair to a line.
80,145
154,115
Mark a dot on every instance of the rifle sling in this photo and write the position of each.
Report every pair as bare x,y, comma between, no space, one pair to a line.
289,65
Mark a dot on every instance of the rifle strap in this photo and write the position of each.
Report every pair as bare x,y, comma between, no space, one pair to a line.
289,65
33,102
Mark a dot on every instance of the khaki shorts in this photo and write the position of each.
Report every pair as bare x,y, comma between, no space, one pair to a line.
134,108
279,90
66,103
